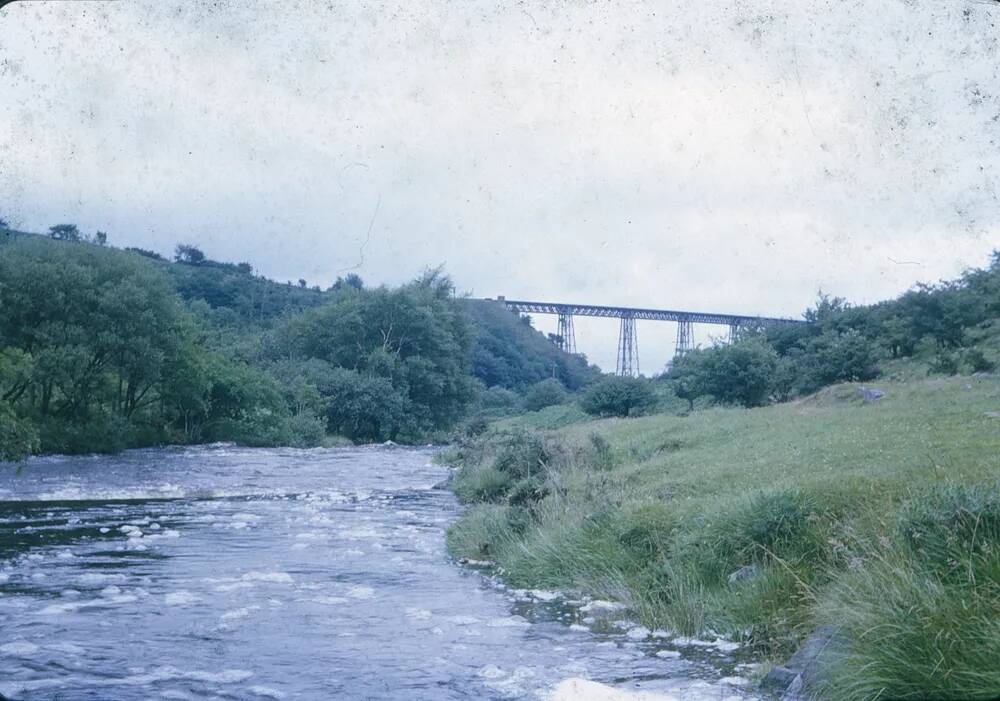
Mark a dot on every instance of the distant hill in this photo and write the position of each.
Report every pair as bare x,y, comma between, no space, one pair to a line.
508,352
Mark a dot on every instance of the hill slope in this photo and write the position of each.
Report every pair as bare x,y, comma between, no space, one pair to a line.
879,518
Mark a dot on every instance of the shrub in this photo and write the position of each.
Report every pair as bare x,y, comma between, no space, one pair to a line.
521,454
476,426
481,484
480,533
603,456
952,528
545,393
742,373
842,357
978,361
944,363
646,530
18,437
779,524
498,399
618,396
912,635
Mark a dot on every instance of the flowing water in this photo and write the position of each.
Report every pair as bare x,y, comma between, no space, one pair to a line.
227,573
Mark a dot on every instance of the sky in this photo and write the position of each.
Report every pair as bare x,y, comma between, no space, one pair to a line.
728,156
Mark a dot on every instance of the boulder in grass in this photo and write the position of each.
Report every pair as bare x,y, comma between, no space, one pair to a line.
870,394
747,573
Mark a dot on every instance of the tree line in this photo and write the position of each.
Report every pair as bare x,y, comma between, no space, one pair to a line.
103,349
940,323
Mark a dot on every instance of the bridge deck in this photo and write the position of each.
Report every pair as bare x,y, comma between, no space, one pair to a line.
639,313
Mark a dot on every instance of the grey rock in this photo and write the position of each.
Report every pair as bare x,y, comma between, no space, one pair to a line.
870,394
747,573
805,673
778,679
992,414
445,484
795,690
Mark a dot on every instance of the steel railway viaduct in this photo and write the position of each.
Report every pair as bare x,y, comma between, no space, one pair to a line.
628,343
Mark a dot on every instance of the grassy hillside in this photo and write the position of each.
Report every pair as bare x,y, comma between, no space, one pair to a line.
881,518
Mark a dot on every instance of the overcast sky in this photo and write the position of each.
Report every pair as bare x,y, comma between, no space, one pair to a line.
730,156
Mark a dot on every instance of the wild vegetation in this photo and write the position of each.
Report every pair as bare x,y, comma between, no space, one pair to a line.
793,497
102,349
935,323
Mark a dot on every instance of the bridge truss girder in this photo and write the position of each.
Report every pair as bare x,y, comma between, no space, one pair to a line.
628,341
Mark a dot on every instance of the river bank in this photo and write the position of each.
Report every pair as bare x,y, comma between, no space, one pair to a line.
879,517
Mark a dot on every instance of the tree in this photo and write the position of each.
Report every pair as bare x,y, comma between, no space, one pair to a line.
18,436
302,283
101,238
414,337
3,223
188,254
352,281
366,408
741,373
618,396
98,326
65,232
837,357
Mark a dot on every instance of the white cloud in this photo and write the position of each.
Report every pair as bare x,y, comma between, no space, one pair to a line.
705,154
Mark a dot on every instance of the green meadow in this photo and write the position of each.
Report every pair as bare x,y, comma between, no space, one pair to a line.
880,518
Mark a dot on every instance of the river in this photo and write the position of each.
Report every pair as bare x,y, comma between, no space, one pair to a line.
229,573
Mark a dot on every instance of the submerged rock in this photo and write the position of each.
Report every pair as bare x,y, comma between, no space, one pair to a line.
445,484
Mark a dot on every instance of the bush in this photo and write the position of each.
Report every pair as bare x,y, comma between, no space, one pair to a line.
742,373
952,528
476,426
912,635
18,437
521,454
543,394
365,408
944,364
481,484
839,357
978,362
481,532
499,399
603,457
770,524
618,396
304,430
